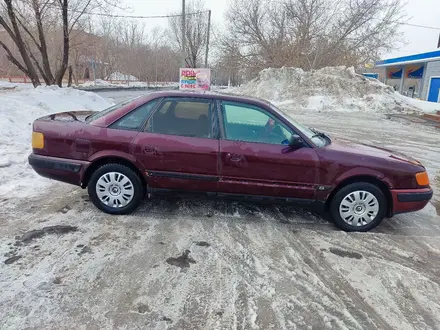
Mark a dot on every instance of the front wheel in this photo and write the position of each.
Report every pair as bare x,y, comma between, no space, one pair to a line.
115,189
358,206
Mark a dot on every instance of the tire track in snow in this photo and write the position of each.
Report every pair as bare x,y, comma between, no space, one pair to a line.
332,279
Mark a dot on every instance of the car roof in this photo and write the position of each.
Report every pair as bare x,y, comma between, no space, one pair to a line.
215,95
109,118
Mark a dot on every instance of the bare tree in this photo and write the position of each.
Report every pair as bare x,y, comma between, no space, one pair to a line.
127,48
28,22
310,33
196,32
15,33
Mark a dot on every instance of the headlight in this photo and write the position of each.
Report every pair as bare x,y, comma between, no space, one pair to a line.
422,179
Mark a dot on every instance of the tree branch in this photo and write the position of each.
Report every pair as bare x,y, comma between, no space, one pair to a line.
13,60
79,16
7,28
29,32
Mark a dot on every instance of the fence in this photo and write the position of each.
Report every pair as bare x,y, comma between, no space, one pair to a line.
15,79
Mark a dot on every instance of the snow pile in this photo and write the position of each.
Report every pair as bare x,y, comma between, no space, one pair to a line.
97,83
18,109
121,76
329,89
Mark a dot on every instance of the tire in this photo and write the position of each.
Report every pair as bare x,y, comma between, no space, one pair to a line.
362,205
116,189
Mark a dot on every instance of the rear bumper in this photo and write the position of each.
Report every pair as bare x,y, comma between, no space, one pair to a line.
60,169
410,200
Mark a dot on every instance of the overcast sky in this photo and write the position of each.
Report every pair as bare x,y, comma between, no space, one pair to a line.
418,40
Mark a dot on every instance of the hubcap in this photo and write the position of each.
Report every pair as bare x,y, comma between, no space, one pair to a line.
114,189
359,208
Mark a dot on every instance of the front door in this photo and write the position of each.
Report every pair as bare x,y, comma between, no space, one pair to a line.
434,90
255,157
179,147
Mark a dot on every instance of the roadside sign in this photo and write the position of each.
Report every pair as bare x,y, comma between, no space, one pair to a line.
371,75
415,71
394,72
195,79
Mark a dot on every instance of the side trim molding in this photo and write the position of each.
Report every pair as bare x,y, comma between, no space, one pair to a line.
185,176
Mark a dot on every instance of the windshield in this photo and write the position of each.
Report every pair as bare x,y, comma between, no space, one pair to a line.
318,139
102,113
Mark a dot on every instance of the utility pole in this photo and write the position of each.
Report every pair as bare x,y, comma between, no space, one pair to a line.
183,35
207,39
94,70
156,69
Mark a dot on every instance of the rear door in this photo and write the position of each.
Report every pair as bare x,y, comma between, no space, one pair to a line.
179,146
255,157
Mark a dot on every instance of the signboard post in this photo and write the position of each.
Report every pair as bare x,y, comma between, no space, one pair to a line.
195,79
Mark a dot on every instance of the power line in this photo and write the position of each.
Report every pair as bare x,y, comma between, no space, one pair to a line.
422,26
206,11
141,17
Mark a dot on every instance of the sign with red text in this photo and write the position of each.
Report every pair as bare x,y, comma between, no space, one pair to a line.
195,79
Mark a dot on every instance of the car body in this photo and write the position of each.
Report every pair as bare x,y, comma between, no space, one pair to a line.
227,146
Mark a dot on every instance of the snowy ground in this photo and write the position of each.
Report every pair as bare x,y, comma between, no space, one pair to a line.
249,267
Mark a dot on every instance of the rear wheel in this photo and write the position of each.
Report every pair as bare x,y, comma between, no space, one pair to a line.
115,189
358,206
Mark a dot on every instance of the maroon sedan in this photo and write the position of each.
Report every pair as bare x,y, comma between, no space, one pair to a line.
226,146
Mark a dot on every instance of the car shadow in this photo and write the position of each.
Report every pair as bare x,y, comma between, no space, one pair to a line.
169,207
411,224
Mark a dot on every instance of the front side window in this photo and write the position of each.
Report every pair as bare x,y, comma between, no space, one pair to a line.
186,117
135,119
317,139
243,122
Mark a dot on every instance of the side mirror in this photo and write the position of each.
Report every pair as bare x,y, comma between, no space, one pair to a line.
296,141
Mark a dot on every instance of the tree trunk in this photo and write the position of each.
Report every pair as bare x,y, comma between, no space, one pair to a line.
18,40
62,69
69,83
43,46
75,74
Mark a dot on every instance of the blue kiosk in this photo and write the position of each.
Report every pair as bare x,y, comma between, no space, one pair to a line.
414,75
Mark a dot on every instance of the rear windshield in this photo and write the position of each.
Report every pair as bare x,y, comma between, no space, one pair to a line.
102,113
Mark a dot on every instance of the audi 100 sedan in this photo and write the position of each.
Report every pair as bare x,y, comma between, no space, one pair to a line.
224,146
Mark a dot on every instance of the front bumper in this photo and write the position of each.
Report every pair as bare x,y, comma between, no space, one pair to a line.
60,169
410,200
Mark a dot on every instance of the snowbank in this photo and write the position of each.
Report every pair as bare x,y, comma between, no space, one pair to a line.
121,76
123,84
330,89
18,109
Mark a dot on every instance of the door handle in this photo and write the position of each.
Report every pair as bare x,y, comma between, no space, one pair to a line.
235,158
150,150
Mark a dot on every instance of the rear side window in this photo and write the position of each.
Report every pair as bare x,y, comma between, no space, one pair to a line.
104,112
135,119
183,117
191,110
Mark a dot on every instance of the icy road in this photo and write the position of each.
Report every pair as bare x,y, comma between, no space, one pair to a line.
191,264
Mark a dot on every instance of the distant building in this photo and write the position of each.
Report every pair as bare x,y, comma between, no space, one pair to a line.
414,75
